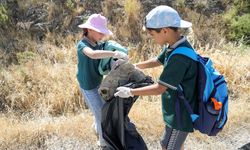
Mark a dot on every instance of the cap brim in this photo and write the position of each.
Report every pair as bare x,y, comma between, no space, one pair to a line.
185,24
103,31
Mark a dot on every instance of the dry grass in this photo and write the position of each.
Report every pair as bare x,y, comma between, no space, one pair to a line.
46,132
36,91
41,106
45,81
132,7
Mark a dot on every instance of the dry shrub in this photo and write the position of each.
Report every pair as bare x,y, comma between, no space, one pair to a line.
58,49
113,15
133,20
34,87
125,19
207,28
53,10
42,83
12,42
144,51
115,18
132,7
24,4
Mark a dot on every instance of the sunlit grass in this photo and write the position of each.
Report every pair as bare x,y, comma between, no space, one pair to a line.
43,103
42,108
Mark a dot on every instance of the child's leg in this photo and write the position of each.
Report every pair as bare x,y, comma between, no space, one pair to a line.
95,103
173,139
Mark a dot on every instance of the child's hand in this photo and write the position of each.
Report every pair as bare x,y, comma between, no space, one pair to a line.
123,92
115,64
137,68
120,55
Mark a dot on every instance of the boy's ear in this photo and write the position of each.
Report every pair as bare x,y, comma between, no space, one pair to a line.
165,30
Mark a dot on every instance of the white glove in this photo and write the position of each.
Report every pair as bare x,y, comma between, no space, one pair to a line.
120,55
117,63
123,92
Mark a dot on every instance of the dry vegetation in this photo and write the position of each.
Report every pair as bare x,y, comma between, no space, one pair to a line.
41,106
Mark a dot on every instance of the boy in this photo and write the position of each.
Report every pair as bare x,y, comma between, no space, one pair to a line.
163,23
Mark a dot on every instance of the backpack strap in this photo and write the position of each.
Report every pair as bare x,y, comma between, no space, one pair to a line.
181,97
194,56
186,52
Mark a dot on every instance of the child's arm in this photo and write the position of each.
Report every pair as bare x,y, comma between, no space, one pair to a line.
99,54
151,63
155,89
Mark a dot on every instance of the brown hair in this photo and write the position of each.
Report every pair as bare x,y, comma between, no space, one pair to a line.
85,32
158,30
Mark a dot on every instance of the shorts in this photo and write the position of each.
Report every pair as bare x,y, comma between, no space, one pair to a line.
173,139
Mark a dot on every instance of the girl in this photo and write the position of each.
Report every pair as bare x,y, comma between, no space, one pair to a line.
89,54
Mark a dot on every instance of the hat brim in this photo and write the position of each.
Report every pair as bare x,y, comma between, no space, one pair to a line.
103,30
144,28
185,24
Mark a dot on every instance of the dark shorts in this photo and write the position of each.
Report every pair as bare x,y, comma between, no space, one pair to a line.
173,139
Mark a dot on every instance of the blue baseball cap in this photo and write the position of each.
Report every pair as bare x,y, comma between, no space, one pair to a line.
165,16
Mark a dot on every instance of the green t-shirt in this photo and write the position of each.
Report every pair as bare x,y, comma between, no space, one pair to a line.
179,70
88,75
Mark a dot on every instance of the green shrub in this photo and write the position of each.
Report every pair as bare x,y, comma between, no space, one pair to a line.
70,4
237,21
240,28
3,14
26,56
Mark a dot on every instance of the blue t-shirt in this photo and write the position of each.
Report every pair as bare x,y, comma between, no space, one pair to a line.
88,75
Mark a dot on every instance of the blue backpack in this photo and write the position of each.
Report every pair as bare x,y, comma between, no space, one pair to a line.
212,96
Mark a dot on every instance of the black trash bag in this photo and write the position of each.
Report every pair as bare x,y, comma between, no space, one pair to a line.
117,130
245,147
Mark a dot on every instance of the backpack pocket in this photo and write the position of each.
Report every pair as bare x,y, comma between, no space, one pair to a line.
211,110
205,122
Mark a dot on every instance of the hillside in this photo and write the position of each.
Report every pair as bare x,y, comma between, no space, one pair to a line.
40,103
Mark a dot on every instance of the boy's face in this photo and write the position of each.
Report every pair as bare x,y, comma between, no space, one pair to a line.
159,37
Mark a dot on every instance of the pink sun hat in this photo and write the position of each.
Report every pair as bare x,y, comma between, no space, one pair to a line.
98,23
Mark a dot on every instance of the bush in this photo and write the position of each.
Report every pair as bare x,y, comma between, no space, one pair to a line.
239,28
3,14
237,21
132,7
26,56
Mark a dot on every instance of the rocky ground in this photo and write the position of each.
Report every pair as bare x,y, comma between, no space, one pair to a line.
231,141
